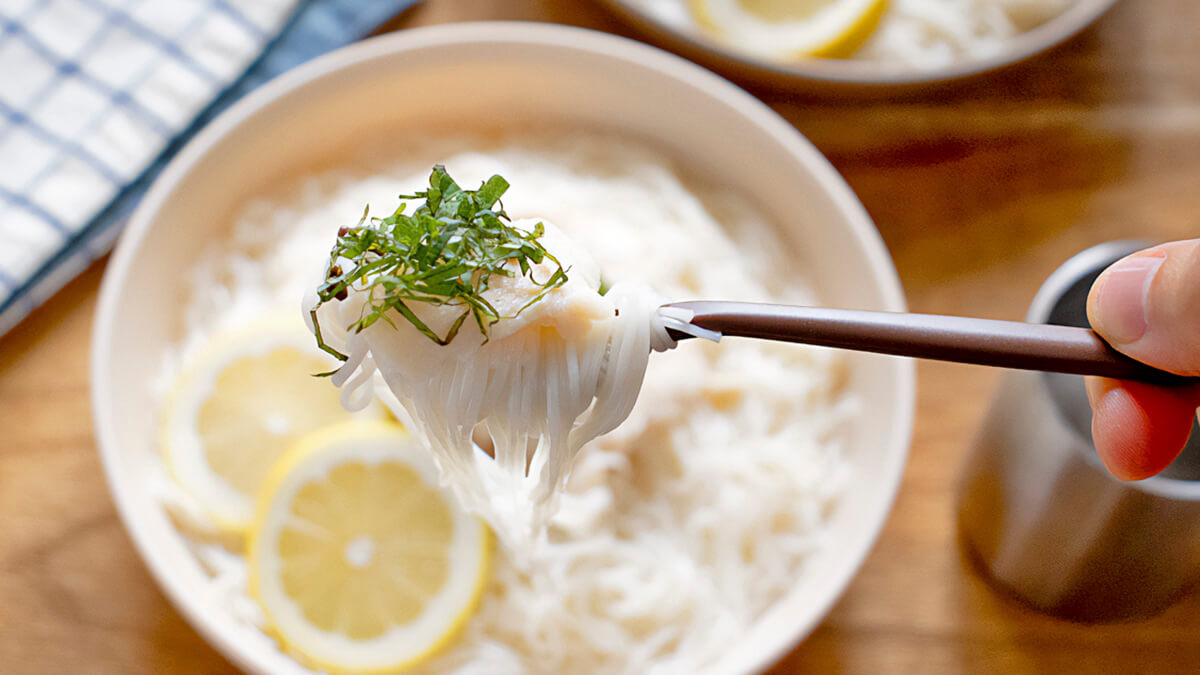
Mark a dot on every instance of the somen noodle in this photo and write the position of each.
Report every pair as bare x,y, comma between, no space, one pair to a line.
678,529
546,366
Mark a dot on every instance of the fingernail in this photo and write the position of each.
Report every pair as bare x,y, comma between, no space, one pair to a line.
1121,299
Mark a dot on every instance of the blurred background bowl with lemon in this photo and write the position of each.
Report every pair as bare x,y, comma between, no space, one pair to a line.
858,45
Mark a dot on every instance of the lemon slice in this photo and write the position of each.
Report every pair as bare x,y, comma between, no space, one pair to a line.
787,29
236,407
359,560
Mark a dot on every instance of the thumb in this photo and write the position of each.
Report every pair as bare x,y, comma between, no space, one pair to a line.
1147,306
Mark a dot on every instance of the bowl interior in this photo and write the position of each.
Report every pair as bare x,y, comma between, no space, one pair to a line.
317,116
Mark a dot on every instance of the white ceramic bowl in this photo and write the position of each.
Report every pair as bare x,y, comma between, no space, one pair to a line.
527,74
846,74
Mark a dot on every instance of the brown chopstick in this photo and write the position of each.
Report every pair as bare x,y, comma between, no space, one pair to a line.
1008,344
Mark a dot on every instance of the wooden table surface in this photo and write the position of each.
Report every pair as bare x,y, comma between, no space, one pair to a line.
979,190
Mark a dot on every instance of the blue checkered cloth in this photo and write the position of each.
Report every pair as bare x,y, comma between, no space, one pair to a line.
97,95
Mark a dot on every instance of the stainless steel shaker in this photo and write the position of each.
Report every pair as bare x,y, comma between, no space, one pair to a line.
1041,516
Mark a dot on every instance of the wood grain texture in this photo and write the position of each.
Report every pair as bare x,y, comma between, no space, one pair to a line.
980,190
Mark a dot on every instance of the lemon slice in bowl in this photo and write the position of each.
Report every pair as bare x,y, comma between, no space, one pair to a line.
359,560
789,29
244,399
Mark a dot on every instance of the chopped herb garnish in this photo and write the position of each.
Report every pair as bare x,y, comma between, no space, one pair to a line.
444,253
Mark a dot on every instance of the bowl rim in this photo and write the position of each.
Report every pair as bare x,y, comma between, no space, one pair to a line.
1072,21
212,624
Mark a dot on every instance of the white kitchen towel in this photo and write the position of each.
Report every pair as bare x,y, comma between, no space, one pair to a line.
96,95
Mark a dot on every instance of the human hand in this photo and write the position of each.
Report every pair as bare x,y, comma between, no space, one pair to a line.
1147,306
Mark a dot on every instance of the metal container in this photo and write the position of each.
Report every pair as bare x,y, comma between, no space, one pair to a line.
1043,518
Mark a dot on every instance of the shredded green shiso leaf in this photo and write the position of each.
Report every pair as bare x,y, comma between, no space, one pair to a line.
444,253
